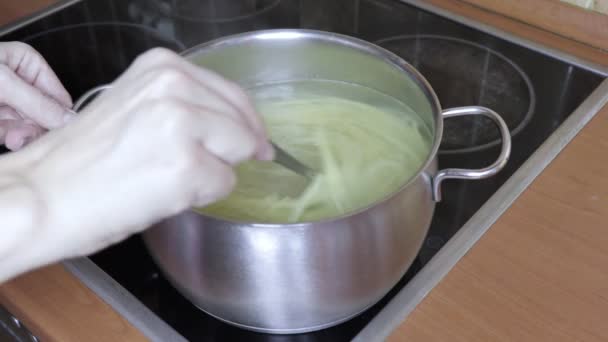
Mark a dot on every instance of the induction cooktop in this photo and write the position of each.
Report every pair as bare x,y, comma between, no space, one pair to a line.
535,89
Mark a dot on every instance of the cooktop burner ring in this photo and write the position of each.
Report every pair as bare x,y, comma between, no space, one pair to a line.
100,51
516,103
164,6
180,46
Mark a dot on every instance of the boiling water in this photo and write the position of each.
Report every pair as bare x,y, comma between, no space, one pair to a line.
364,144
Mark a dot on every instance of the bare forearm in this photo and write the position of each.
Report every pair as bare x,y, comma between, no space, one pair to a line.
20,214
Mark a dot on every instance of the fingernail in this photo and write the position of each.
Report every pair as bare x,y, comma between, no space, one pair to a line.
69,116
15,143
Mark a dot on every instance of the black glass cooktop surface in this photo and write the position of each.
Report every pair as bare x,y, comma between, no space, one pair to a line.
93,41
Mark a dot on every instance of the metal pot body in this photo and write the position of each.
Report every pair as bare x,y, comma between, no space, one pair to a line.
297,278
302,277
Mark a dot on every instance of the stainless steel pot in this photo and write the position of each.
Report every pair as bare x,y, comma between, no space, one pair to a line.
289,278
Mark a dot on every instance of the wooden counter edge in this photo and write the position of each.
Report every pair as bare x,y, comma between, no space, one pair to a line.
55,306
521,29
538,274
12,11
573,22
477,300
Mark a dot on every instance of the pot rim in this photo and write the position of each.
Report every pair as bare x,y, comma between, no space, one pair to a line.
358,44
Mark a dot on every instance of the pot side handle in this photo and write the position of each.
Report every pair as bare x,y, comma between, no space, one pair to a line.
486,172
88,96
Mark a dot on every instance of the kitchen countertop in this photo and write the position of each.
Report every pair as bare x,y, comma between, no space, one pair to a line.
12,10
537,274
540,272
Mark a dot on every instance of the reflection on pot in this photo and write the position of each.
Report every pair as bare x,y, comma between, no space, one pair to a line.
464,74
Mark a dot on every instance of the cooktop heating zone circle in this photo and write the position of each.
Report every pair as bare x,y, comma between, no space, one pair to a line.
464,73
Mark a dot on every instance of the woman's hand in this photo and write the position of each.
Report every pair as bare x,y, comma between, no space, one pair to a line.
32,99
163,139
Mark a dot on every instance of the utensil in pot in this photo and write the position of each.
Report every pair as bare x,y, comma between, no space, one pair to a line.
286,160
306,276
282,157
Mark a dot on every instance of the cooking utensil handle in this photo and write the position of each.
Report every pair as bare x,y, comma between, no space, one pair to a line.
485,172
86,96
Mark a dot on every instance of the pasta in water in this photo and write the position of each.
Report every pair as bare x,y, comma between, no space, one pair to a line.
364,144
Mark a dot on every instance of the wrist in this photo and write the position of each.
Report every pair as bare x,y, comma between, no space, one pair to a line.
21,213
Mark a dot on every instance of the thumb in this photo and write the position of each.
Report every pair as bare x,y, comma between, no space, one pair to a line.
21,134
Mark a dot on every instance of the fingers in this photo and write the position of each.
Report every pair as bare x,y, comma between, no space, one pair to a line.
214,181
5,127
204,102
229,91
29,101
18,133
225,137
210,83
28,64
7,112
235,96
8,120
15,132
230,140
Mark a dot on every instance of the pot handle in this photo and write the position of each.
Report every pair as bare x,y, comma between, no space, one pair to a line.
486,172
86,96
